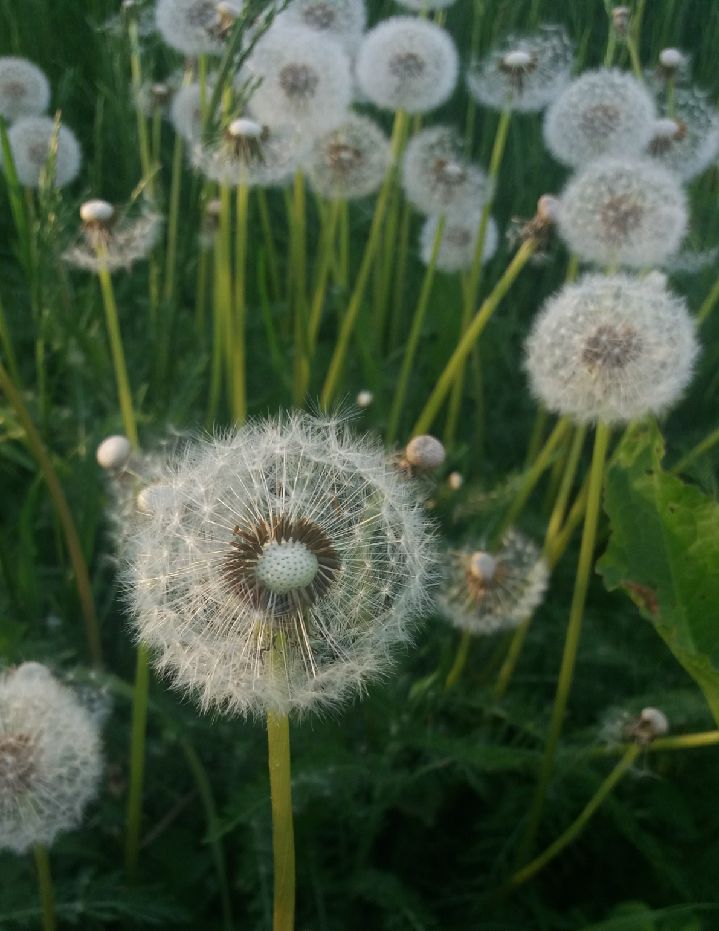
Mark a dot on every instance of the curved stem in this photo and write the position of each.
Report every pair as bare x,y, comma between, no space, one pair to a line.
47,895
64,515
283,842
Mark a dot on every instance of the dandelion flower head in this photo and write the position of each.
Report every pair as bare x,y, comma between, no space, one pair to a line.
24,89
250,153
50,758
408,64
32,140
193,27
280,566
349,161
112,241
628,211
524,73
686,137
611,348
459,241
341,20
602,112
483,592
436,176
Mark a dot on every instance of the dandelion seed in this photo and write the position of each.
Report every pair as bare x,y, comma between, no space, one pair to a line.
31,141
282,564
341,20
251,154
603,112
436,176
525,73
304,80
485,592
685,140
156,97
455,480
623,211
459,242
49,758
186,110
349,161
193,27
407,64
611,348
24,89
112,242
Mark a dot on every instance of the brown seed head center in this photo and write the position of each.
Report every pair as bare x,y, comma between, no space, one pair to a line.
344,158
15,90
17,764
600,119
319,15
611,347
479,587
406,65
299,82
620,216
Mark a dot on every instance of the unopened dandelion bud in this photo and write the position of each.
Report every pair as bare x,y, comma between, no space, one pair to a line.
621,18
455,480
425,453
114,452
364,399
97,211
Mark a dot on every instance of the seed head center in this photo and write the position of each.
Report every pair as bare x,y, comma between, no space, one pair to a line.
611,347
407,65
16,763
286,566
319,15
299,82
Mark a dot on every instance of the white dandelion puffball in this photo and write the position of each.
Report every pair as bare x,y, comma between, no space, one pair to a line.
304,79
436,176
349,161
107,242
603,112
186,110
49,758
407,64
341,20
459,242
31,140
524,73
687,141
280,566
485,592
626,211
612,349
252,154
24,89
193,27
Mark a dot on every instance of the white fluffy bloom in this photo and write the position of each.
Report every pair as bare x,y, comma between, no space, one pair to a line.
524,73
341,20
113,243
193,27
687,139
611,348
407,64
603,112
49,758
623,212
436,176
31,139
485,592
186,110
304,79
279,567
24,89
349,161
251,154
459,241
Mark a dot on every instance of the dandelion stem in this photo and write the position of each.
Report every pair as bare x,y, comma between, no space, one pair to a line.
415,334
173,217
571,645
470,336
47,895
580,822
136,80
140,698
283,842
460,660
709,304
299,288
239,364
270,251
703,447
64,515
324,264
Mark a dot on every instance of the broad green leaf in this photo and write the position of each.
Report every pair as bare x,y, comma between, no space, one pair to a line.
664,552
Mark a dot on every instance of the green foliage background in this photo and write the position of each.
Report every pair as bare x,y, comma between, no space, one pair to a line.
407,804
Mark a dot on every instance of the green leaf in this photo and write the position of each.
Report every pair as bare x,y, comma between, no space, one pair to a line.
664,552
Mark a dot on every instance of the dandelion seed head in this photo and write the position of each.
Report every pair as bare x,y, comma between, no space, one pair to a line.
611,348
485,592
31,140
459,241
114,452
628,211
349,161
407,64
250,153
304,79
186,111
97,211
524,73
112,242
49,758
341,20
687,140
193,27
650,724
602,112
436,176
286,562
24,89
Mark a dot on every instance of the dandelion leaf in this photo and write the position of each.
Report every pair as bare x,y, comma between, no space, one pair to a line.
664,552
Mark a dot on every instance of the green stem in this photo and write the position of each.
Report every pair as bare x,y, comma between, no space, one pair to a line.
709,304
64,515
136,80
415,334
239,364
283,842
270,251
173,217
47,895
122,381
460,660
704,446
571,645
324,265
7,345
218,331
471,334
578,825
140,699
299,288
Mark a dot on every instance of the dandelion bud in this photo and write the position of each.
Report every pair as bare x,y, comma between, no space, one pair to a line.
36,143
671,60
364,399
49,758
97,211
114,452
548,208
621,17
650,724
455,481
24,89
425,453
